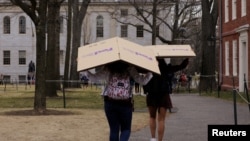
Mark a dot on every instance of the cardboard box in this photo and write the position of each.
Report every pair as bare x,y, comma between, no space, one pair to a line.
170,51
114,49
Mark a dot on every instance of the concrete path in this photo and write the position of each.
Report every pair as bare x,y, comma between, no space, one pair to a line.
194,115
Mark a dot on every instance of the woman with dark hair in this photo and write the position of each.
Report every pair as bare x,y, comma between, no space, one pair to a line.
158,98
118,106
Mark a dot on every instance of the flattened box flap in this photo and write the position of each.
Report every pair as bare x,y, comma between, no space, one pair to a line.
115,49
168,51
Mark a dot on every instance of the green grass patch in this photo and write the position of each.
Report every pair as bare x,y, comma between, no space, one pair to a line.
90,98
228,95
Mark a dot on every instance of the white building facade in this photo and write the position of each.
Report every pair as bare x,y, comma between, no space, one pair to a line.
18,41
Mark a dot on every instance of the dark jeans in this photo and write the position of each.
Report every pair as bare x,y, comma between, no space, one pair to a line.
119,116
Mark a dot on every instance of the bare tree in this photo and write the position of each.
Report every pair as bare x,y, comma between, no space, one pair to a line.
79,12
37,11
209,22
181,20
157,13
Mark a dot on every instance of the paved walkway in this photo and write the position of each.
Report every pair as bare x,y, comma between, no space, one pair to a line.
195,113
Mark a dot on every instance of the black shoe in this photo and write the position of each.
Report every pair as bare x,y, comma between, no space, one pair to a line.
173,110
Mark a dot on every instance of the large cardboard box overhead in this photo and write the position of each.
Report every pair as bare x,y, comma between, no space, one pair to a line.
115,49
170,51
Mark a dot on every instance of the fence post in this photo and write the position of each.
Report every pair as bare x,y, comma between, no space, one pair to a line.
246,90
219,87
4,85
235,105
64,100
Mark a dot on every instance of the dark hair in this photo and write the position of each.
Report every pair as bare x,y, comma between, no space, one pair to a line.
118,67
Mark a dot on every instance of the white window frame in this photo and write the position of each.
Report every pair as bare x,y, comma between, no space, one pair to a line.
6,25
234,9
124,30
22,25
22,57
235,58
227,59
226,11
99,26
243,8
6,57
139,31
124,12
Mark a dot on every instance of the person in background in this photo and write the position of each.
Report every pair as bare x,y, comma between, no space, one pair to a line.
85,81
137,88
158,97
31,72
119,110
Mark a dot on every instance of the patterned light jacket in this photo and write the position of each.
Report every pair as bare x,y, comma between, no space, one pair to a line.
104,74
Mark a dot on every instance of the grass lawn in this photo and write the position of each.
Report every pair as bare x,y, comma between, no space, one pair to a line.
228,95
22,96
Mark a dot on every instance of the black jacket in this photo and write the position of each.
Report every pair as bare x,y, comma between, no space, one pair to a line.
159,84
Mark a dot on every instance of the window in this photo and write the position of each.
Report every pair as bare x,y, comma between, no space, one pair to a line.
22,57
6,57
22,25
243,8
139,12
139,31
6,25
124,12
235,58
227,58
124,31
99,26
226,11
61,24
234,9
6,78
22,78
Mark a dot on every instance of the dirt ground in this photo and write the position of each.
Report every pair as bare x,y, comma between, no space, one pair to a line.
59,125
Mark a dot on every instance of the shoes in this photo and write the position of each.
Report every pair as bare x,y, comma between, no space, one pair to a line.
153,139
173,110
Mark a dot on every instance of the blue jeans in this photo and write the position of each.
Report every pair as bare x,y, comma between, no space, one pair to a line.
119,116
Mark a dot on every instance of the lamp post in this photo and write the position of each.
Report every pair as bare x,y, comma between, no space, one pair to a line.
211,41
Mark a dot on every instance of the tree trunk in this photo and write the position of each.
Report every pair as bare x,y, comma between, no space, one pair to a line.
78,16
69,39
154,13
40,97
209,21
75,42
53,48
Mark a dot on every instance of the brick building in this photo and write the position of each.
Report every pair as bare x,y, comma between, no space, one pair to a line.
234,35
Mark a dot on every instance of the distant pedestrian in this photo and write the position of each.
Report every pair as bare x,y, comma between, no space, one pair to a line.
32,67
85,81
31,72
137,88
